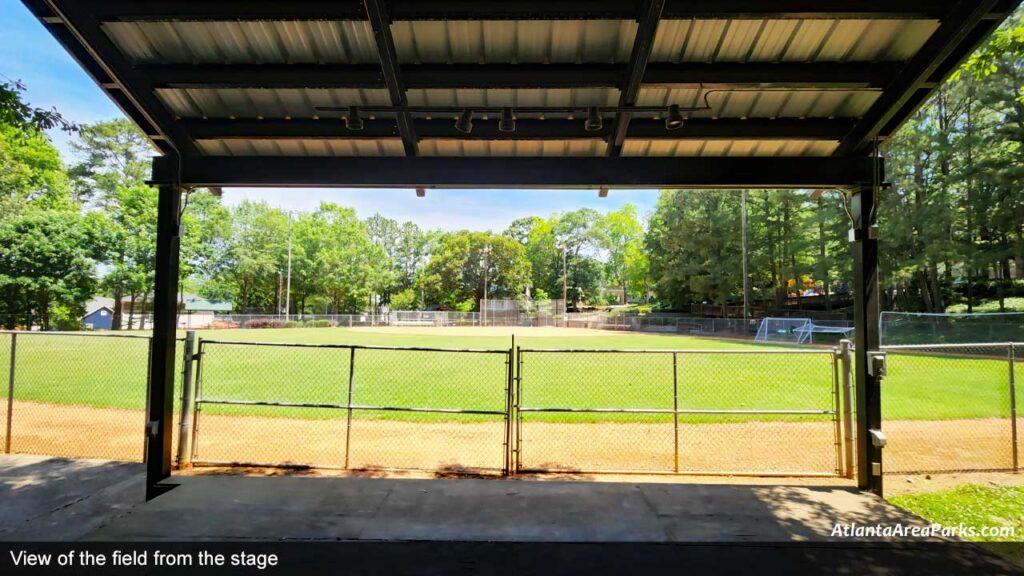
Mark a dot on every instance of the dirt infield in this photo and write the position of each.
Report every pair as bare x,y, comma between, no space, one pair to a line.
75,431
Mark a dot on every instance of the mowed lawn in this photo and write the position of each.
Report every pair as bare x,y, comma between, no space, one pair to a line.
110,372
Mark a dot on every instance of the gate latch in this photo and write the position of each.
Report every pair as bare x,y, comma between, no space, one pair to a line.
876,364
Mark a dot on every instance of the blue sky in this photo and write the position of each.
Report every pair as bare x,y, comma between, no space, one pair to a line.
53,79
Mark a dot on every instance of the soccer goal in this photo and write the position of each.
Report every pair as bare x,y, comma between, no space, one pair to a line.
785,330
798,330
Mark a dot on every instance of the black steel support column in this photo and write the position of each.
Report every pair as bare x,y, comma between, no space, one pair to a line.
864,210
161,371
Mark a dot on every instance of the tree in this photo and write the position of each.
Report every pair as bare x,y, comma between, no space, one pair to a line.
621,235
31,172
110,179
24,117
694,248
46,264
351,266
256,249
406,247
462,263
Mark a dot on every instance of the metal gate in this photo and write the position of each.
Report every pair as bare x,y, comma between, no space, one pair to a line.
759,412
352,407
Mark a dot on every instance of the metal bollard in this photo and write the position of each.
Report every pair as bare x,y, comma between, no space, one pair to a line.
846,362
185,424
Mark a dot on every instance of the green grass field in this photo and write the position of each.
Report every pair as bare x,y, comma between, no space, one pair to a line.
110,372
978,507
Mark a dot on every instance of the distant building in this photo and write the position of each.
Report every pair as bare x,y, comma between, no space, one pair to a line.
99,314
616,292
200,313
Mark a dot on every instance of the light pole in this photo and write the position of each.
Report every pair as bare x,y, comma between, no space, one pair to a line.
288,289
280,289
746,272
483,306
565,286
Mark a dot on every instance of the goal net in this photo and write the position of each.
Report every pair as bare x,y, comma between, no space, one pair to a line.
921,328
784,330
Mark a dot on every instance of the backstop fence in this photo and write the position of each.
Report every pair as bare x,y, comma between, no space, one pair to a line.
762,411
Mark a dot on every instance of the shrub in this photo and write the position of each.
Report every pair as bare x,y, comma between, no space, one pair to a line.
318,324
266,323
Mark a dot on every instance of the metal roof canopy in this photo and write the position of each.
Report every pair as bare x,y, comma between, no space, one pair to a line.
242,92
797,91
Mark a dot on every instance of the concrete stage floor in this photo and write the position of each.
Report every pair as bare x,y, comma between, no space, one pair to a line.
461,520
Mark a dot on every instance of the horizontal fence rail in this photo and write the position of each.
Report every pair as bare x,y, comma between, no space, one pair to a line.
667,411
352,407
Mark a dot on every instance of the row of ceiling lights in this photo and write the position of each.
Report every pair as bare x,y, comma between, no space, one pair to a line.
507,120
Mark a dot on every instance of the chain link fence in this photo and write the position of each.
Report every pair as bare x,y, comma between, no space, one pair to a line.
352,407
679,411
947,408
73,394
951,407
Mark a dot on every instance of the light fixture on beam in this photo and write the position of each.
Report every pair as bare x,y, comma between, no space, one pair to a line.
464,123
353,121
507,123
602,192
674,120
593,123
421,192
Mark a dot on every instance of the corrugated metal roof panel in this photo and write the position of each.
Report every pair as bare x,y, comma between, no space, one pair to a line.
302,147
265,102
246,42
445,147
513,41
789,40
514,97
635,147
774,103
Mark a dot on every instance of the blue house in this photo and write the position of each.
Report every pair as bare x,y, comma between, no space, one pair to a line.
99,314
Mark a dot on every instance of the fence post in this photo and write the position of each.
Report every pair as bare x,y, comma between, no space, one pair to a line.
518,402
348,423
197,406
10,393
149,377
675,409
837,395
1013,408
846,358
184,459
508,407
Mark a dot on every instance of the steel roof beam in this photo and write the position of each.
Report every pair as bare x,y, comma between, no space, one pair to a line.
643,43
829,75
526,129
376,12
505,172
97,55
515,10
961,31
